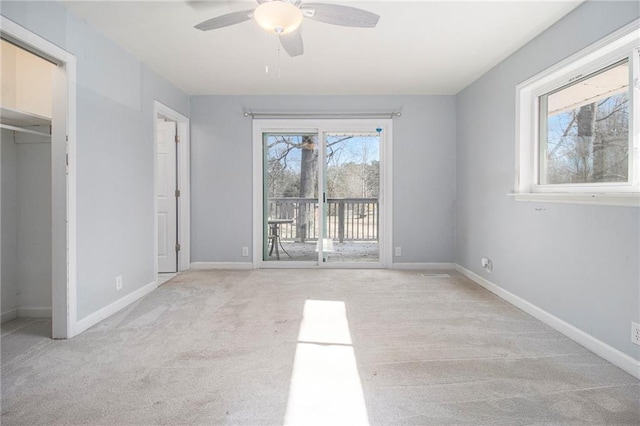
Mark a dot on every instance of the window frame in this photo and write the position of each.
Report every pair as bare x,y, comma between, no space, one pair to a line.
624,43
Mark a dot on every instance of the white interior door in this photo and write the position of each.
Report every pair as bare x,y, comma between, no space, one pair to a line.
167,202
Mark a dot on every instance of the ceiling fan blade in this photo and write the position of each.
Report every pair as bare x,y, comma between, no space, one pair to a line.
336,14
225,20
294,2
292,43
204,4
198,4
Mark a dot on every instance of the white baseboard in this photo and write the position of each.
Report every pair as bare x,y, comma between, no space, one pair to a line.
111,309
26,312
249,265
419,266
199,266
611,354
9,315
34,312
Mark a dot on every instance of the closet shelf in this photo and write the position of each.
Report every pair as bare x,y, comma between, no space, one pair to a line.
20,129
25,122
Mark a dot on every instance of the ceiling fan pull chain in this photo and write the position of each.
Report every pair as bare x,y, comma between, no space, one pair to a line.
278,58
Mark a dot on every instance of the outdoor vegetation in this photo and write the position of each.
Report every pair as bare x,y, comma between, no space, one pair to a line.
353,168
590,143
352,176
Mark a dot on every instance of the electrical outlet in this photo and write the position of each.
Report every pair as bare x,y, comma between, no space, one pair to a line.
245,251
119,283
398,251
635,333
486,263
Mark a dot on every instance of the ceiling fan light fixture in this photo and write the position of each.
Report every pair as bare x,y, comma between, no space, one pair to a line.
278,16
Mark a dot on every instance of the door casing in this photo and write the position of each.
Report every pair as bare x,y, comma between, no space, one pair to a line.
183,165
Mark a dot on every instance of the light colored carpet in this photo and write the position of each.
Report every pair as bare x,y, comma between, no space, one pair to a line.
270,347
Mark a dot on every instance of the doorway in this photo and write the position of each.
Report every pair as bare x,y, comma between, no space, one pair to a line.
44,148
171,135
323,187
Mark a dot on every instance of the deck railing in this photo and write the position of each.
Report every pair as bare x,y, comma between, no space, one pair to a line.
348,219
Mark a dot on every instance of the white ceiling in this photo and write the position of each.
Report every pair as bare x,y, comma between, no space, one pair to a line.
418,47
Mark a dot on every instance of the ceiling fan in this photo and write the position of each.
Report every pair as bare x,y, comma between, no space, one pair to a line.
284,17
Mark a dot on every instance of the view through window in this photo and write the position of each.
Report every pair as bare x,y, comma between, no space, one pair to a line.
585,137
328,208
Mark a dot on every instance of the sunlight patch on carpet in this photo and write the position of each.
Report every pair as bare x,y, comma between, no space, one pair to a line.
325,385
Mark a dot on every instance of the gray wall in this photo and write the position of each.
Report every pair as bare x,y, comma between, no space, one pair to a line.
34,222
115,210
578,262
423,171
26,222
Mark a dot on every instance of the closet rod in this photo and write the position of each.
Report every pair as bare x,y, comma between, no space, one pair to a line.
20,129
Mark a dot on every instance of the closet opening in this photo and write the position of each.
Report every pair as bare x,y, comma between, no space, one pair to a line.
38,255
26,184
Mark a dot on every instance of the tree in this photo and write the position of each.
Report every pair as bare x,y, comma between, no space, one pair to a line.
589,144
585,123
611,142
308,176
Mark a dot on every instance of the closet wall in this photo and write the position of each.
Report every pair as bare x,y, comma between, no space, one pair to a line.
25,178
9,214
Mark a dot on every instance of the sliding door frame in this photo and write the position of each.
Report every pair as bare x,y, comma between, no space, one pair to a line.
321,127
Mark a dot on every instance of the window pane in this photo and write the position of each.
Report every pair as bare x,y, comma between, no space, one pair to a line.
585,137
291,195
352,185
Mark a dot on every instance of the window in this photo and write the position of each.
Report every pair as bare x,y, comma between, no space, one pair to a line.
578,126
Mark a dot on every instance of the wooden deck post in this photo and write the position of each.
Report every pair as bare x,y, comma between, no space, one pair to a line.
341,221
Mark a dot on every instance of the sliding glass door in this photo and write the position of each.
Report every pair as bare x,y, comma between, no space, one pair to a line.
321,192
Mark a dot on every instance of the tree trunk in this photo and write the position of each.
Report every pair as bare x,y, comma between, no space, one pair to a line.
308,179
585,121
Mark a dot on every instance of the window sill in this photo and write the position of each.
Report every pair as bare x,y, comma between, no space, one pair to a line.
603,199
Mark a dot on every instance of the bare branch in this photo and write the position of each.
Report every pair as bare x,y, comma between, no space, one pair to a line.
616,109
564,135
